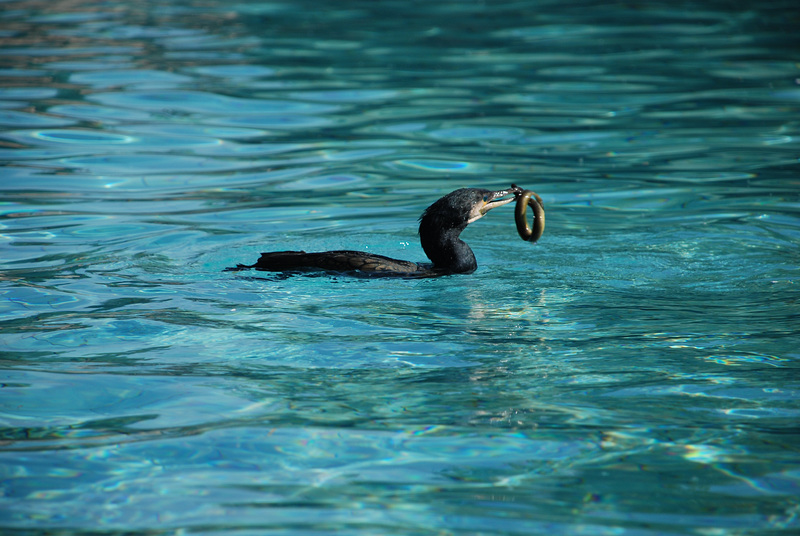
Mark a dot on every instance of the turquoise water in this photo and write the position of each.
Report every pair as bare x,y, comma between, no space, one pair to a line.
634,373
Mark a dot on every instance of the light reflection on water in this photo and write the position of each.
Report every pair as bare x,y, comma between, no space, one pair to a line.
635,372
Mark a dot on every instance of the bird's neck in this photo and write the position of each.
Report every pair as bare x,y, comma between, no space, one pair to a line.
447,251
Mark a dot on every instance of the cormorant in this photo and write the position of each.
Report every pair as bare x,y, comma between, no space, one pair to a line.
439,229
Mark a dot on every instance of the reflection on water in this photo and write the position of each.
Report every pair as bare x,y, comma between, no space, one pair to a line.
634,372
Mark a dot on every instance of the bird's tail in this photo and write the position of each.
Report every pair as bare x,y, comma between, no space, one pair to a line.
277,261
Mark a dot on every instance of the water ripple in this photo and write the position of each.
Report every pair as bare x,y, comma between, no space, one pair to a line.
135,79
11,118
206,103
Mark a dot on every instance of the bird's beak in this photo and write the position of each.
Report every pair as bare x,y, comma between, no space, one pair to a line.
494,199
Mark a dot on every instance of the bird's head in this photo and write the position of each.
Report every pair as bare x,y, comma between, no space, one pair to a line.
458,209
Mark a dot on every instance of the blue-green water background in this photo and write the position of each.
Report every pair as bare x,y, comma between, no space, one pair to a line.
633,373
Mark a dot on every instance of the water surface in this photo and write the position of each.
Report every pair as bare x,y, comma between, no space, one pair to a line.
635,372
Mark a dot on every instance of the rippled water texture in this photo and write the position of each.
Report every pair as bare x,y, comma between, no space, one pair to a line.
635,373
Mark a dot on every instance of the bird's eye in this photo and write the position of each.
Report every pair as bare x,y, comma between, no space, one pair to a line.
485,198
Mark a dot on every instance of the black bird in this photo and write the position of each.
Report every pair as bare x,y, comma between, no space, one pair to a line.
439,229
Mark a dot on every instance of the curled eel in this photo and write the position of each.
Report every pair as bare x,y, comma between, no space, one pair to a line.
525,199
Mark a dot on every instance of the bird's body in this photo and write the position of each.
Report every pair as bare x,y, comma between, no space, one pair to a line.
338,261
440,227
